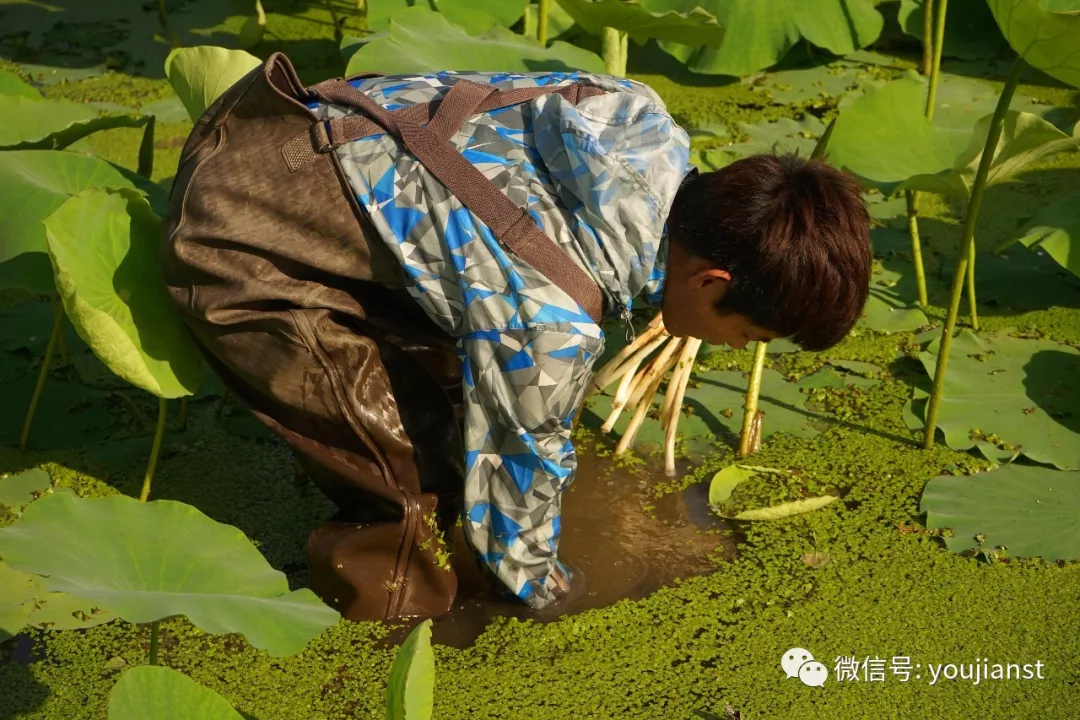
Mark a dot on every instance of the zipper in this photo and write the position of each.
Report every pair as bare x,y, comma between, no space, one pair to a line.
628,318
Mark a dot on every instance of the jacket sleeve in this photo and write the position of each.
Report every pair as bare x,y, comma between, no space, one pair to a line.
522,388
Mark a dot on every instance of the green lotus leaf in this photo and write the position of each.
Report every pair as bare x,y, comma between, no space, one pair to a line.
473,16
199,75
21,489
36,183
407,48
167,110
725,481
1053,230
1044,33
410,689
1025,139
53,124
759,34
783,510
160,693
17,592
1022,391
479,16
890,306
105,247
1030,511
970,30
24,602
783,134
798,85
883,136
12,84
155,560
695,27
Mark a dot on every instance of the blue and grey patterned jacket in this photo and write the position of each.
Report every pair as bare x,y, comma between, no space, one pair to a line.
599,178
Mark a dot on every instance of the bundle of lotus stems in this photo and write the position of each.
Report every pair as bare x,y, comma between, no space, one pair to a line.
638,385
640,380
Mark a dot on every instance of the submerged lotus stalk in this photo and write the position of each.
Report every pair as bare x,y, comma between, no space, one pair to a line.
673,400
970,221
617,366
630,379
638,386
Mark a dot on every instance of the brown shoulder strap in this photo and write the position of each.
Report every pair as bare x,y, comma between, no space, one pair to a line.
430,144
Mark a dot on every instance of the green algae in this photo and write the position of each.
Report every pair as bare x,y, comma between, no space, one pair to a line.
700,645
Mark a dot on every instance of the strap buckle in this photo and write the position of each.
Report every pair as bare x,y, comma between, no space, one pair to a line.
320,137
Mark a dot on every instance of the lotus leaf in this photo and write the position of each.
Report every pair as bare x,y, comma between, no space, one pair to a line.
473,16
36,183
17,592
161,693
161,559
123,34
725,481
695,27
1030,511
20,489
53,124
890,306
104,247
1021,280
24,602
199,75
1053,230
762,137
1044,33
883,136
169,110
800,85
407,48
13,85
1025,139
970,30
410,688
759,33
1025,392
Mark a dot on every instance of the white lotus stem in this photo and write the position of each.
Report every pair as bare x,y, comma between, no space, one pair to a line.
639,416
629,382
615,368
681,367
663,363
676,393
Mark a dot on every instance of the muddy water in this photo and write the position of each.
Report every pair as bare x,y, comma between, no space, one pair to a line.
624,548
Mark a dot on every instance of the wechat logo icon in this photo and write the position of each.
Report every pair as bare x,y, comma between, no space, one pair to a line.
798,662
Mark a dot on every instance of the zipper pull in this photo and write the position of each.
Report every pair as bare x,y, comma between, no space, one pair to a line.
627,318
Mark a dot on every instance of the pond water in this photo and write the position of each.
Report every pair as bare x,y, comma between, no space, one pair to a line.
625,542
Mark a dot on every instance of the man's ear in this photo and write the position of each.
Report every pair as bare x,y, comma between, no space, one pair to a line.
708,276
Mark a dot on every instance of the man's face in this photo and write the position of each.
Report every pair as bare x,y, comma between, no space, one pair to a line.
691,292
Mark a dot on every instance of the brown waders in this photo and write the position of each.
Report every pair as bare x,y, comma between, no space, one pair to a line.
302,311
